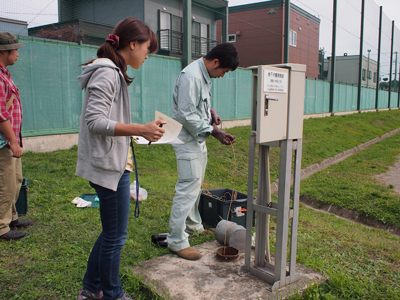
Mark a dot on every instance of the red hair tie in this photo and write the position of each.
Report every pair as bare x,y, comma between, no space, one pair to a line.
113,39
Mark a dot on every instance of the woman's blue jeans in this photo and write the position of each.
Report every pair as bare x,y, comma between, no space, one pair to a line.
103,265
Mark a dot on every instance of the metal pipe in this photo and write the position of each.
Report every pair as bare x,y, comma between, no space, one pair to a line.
287,29
225,25
187,33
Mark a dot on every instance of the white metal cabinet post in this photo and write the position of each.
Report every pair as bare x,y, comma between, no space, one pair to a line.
277,121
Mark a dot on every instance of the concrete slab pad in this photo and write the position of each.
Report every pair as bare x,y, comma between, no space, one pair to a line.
209,278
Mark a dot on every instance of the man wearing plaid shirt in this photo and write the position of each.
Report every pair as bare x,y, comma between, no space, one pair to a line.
10,142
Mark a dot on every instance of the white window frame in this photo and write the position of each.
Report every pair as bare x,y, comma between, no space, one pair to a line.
292,38
166,23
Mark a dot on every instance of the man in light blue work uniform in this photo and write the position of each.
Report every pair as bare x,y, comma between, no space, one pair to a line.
192,108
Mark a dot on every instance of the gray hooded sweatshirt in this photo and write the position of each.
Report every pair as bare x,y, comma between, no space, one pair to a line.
102,157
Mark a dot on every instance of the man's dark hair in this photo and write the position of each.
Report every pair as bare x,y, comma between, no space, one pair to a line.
227,55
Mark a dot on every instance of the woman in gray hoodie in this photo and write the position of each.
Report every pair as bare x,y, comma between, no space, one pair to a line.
104,144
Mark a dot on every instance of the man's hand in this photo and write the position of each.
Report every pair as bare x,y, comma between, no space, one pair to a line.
8,132
16,150
222,136
215,119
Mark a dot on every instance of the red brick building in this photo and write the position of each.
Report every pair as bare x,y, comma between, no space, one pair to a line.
258,33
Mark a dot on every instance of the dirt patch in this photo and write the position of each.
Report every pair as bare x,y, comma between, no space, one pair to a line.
391,177
377,122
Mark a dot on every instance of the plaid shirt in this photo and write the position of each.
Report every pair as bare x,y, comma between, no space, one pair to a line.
14,113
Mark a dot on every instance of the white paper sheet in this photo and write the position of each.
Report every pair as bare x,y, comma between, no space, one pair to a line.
172,129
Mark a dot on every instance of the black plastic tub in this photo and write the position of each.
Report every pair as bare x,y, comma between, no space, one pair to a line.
214,207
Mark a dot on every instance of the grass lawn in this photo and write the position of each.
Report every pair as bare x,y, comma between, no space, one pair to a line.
361,263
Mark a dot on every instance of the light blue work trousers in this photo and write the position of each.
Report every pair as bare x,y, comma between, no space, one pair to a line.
185,217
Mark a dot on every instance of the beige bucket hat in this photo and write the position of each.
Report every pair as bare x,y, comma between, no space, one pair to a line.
9,41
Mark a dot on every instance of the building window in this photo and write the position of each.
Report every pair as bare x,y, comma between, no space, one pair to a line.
292,38
369,74
364,72
200,41
231,38
170,32
171,35
374,76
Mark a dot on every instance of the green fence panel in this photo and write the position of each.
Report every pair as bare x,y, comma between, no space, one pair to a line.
383,99
316,98
152,87
223,95
393,99
243,93
367,98
351,99
51,100
345,98
231,95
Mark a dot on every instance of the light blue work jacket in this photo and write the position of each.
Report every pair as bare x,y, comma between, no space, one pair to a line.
192,102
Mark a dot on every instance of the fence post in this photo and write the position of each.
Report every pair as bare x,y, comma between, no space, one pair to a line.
398,89
391,65
379,58
360,67
333,58
395,77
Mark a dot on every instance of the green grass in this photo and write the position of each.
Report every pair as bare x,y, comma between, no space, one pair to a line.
361,263
350,184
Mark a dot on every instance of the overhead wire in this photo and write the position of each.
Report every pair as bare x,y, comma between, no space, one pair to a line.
339,26
19,13
41,11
